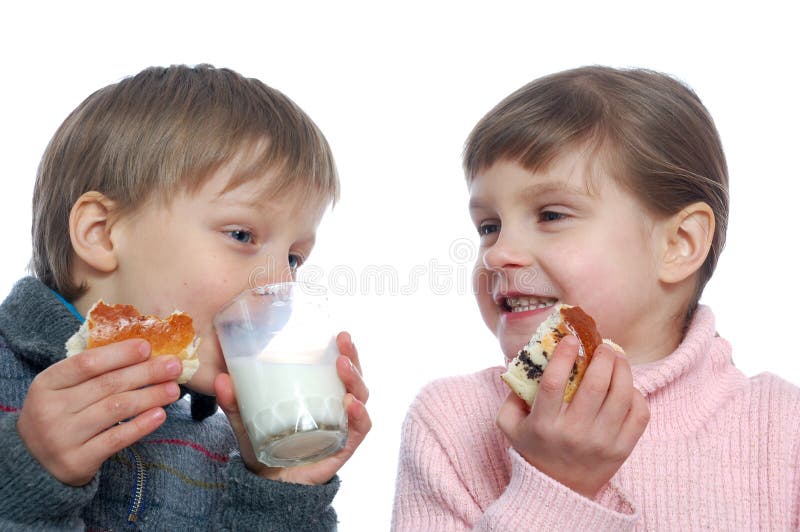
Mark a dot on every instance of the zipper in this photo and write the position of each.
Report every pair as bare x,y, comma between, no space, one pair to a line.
138,486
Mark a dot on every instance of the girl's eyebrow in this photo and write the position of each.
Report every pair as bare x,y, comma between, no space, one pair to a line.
533,191
538,189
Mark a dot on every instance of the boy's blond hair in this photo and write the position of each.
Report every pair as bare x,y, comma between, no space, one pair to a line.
650,131
162,131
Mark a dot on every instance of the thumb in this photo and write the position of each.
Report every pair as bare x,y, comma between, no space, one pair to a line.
226,398
512,413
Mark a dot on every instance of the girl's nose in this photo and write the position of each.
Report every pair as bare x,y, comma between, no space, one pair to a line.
507,252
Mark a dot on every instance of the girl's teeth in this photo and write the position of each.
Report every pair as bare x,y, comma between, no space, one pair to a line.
523,304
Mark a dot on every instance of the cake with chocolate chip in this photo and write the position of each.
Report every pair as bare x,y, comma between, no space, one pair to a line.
524,372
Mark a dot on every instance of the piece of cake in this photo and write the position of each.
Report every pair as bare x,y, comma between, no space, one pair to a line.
525,370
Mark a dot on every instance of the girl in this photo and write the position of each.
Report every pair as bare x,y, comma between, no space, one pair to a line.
606,189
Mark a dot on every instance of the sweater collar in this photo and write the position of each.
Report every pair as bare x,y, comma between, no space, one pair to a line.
685,389
35,324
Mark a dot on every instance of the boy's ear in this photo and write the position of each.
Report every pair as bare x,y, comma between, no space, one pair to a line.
90,223
687,241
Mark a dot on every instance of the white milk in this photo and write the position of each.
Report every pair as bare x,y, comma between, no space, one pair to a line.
277,400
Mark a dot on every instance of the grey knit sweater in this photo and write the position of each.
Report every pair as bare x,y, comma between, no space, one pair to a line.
185,476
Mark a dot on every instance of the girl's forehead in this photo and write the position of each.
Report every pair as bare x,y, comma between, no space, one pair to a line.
573,173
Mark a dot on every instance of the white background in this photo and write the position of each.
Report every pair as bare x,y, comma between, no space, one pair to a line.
396,89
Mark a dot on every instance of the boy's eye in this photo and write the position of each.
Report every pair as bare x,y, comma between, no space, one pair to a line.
486,229
295,261
240,235
551,216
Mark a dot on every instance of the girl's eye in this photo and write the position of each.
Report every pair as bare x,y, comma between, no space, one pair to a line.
295,261
486,229
551,216
240,235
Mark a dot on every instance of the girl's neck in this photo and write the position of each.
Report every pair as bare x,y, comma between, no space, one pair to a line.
656,338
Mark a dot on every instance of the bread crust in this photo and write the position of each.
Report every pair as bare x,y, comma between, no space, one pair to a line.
583,326
108,324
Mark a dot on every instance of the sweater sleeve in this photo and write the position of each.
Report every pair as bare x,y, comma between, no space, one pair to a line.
30,497
546,504
795,471
433,489
254,503
429,493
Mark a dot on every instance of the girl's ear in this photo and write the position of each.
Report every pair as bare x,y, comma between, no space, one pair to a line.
688,237
90,223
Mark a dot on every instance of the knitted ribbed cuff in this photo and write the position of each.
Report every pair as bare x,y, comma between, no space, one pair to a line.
28,493
542,503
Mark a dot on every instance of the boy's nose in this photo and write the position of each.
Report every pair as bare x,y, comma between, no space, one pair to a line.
270,272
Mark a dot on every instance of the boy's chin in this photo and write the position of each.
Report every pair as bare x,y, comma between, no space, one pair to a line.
202,382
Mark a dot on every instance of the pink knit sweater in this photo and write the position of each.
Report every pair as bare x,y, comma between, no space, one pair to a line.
721,452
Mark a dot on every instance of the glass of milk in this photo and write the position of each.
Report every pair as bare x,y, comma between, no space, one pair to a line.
281,352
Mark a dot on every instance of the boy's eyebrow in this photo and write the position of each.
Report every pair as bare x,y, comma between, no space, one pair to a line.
250,203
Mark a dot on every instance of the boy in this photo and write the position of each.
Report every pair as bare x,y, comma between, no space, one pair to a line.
165,190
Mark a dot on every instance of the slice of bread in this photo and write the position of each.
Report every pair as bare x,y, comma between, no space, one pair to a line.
524,372
107,324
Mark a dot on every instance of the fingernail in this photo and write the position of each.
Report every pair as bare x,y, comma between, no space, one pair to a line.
144,348
570,339
354,368
172,388
174,367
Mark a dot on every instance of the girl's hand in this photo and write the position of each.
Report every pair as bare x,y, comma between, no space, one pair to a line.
580,444
359,423
69,420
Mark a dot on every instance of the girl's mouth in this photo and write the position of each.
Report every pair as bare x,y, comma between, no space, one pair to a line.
527,303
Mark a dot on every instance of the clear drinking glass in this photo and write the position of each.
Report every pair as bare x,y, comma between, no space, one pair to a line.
280,349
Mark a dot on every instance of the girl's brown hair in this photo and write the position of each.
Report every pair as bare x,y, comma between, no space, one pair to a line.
653,133
163,130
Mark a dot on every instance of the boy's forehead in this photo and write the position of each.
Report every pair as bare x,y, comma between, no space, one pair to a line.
259,195
240,184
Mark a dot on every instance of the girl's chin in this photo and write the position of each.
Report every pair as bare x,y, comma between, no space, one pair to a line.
512,343
516,329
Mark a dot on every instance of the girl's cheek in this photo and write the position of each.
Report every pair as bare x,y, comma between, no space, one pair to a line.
480,282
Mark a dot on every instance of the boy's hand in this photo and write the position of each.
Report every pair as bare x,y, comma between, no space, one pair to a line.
69,418
580,444
359,423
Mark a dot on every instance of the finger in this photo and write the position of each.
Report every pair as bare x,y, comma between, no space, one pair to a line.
152,371
635,421
226,399
123,406
594,387
226,396
511,415
618,401
351,379
550,397
93,362
118,437
358,421
359,424
347,348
